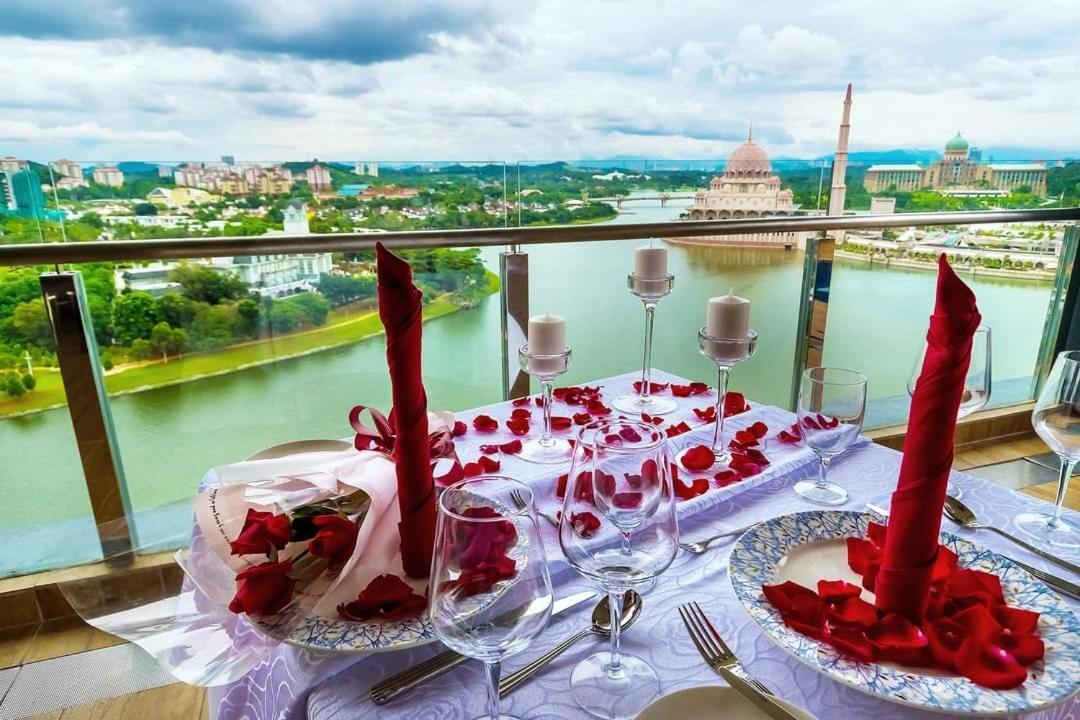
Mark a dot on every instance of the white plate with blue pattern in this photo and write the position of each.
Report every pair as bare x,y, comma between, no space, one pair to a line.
808,546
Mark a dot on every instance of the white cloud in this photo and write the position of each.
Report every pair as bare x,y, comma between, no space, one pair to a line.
559,79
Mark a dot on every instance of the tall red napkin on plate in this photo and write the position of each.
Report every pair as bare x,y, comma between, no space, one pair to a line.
400,312
911,545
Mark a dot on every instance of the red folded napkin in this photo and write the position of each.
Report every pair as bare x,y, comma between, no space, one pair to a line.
400,312
903,580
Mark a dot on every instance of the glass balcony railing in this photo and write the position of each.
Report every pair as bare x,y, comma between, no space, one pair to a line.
206,360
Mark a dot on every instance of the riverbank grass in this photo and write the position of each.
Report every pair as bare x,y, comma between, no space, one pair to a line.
349,329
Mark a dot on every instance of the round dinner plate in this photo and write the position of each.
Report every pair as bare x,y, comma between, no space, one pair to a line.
809,546
711,702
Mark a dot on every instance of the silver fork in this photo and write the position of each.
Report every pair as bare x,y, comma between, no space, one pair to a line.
519,503
700,546
719,657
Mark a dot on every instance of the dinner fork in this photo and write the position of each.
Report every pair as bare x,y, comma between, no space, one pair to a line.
719,657
519,503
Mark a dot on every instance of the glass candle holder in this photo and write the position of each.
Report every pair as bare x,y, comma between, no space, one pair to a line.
546,449
649,291
726,353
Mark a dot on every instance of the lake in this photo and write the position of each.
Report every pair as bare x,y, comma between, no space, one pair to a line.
170,436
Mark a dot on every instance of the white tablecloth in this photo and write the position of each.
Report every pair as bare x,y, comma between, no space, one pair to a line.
339,690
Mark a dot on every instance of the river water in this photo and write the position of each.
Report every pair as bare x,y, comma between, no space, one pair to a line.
169,436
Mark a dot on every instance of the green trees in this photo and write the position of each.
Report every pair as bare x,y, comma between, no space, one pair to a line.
166,340
305,310
134,316
146,208
31,323
344,289
206,285
13,384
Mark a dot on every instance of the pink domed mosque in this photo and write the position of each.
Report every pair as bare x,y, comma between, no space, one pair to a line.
747,189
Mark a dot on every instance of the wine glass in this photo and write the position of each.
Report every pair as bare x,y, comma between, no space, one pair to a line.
977,382
1057,421
618,528
490,589
832,402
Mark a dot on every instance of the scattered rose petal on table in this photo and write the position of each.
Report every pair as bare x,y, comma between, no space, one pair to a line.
518,425
727,477
697,486
511,448
735,404
521,413
706,414
654,387
460,428
485,423
698,458
582,418
650,419
559,422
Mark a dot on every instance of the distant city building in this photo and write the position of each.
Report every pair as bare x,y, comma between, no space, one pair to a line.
277,275
747,189
164,171
235,180
882,205
295,219
70,183
108,175
22,195
11,164
178,196
959,171
352,190
153,279
68,168
370,169
388,191
228,159
318,178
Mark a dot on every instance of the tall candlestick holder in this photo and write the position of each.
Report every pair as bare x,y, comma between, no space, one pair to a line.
546,449
649,291
726,353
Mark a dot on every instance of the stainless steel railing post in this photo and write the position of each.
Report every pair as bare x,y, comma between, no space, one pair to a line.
514,273
813,308
1064,303
77,355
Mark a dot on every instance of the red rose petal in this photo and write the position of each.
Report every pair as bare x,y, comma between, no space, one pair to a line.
582,418
626,500
963,581
852,611
944,637
783,596
676,430
386,597
850,641
832,591
707,414
895,631
978,622
734,404
698,458
1026,648
1017,620
518,402
876,532
560,423
698,486
560,485
810,423
727,477
511,448
518,426
596,407
485,423
629,434
785,437
489,449
759,429
460,428
746,438
861,553
584,524
989,665
521,413
652,419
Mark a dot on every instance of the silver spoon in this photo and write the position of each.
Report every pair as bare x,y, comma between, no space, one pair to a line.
963,516
601,625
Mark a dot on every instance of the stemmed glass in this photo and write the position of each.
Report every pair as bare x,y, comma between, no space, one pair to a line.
649,291
832,402
545,449
1057,421
977,382
618,528
490,588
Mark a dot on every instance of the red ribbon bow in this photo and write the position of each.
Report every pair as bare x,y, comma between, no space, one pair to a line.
380,439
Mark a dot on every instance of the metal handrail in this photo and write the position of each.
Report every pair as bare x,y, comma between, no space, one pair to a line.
181,248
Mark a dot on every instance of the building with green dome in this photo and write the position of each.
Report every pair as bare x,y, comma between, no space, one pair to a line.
957,173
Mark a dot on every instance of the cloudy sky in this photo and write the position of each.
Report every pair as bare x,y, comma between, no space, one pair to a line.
555,79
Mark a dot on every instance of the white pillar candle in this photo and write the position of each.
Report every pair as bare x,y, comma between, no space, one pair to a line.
547,335
728,316
650,263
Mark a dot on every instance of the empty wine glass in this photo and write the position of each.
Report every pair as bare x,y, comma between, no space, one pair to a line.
1056,419
618,529
490,589
977,382
832,402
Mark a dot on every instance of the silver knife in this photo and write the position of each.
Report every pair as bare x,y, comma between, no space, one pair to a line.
762,702
388,689
1060,584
